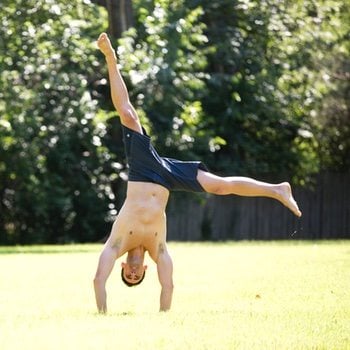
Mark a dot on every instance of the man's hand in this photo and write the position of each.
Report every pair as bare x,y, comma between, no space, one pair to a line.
105,46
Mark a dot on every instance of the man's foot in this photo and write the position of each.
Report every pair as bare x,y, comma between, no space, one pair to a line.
286,197
104,44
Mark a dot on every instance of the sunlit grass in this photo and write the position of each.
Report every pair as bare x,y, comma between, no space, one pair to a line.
285,295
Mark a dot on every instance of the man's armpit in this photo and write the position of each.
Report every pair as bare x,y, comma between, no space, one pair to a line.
161,248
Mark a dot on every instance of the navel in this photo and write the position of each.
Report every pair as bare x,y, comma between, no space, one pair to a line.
130,233
156,234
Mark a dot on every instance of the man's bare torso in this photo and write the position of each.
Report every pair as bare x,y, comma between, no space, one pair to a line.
141,221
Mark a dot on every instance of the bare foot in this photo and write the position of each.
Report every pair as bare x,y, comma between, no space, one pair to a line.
286,197
104,44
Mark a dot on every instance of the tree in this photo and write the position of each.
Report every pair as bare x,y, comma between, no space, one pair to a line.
53,184
247,101
120,16
332,44
215,80
163,61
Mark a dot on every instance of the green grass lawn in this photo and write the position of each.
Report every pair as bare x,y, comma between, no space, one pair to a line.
246,295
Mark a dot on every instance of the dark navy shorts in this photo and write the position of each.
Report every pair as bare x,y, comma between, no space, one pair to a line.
146,165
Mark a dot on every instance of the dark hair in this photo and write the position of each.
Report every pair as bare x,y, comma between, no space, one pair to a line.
132,284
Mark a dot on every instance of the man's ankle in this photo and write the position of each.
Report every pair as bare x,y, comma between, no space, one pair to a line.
111,56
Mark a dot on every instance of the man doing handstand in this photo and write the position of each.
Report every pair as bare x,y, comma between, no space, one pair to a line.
141,223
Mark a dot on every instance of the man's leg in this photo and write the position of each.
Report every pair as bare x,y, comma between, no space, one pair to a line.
119,92
245,186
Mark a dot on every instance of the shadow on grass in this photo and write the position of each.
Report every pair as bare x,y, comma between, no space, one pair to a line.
96,247
51,249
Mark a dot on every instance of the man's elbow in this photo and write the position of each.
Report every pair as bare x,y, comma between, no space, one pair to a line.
168,288
98,281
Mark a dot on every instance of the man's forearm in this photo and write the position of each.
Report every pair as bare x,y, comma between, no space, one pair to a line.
166,296
101,297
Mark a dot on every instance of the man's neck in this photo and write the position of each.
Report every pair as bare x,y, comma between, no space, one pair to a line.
136,254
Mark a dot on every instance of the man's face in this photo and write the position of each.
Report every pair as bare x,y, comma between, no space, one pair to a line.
133,272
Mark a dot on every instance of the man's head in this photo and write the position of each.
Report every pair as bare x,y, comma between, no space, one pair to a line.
133,274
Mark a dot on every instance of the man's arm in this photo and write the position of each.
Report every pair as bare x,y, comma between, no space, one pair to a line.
165,275
119,92
104,269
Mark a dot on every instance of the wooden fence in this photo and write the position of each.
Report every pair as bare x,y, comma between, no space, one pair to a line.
326,214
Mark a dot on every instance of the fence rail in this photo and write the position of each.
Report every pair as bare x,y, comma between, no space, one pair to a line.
326,214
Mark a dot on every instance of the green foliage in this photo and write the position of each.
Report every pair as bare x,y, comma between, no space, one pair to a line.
51,171
164,57
331,61
281,59
317,47
242,72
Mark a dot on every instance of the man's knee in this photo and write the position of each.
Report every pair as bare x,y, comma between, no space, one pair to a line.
212,183
127,115
219,188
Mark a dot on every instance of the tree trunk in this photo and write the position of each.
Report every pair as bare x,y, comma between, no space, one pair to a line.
120,17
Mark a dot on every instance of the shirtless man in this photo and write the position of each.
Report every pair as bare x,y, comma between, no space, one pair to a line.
141,222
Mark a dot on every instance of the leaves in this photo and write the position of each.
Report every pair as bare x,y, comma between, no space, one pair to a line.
48,155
